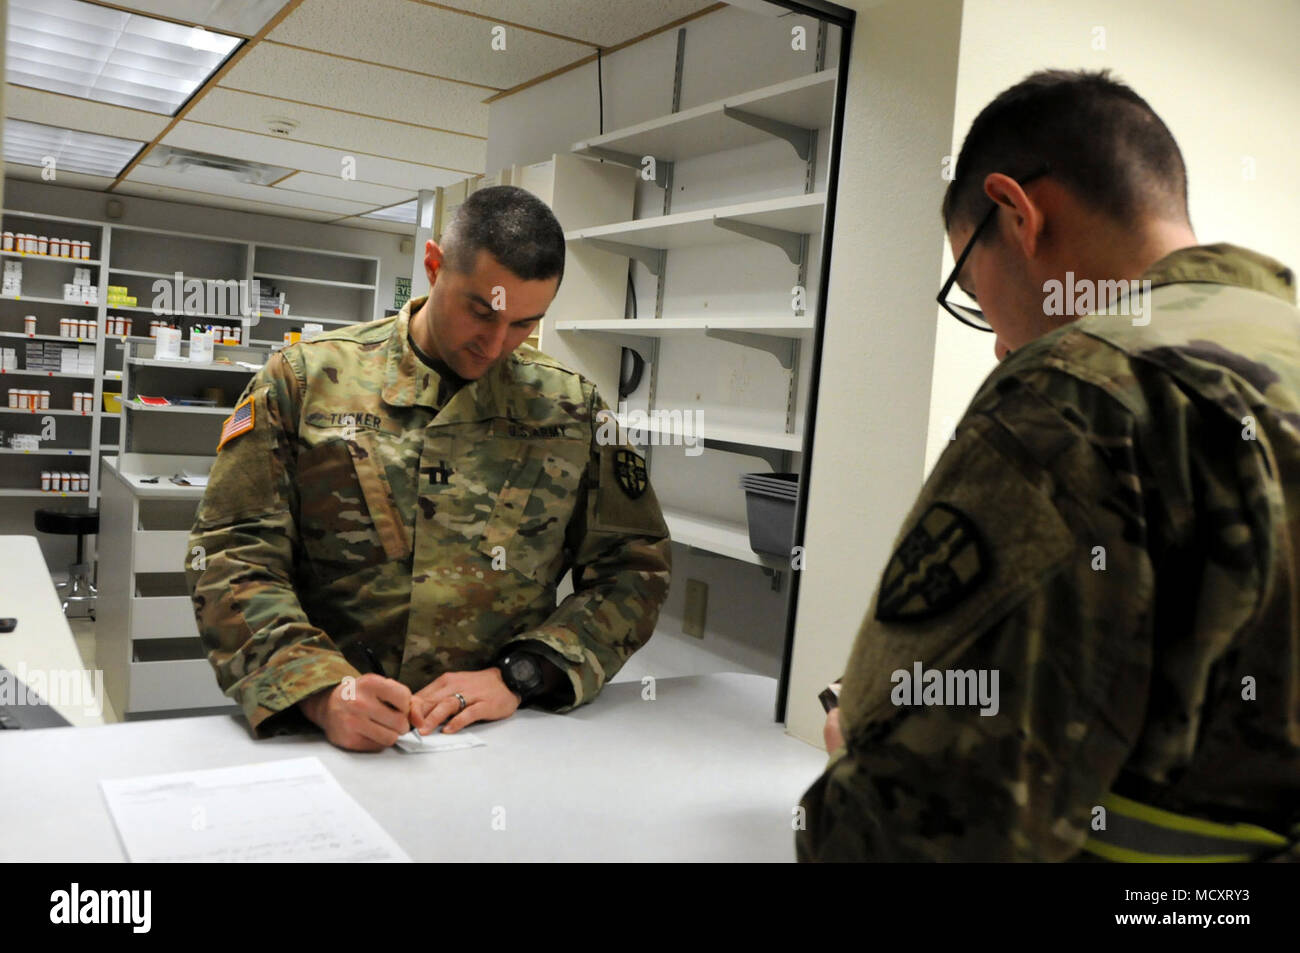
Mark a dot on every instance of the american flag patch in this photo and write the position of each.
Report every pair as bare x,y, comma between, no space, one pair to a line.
241,421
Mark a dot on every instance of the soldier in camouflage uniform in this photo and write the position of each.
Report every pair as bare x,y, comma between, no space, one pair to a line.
405,497
1114,530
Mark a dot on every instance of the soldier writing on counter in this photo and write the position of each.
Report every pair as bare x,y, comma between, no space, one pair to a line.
1112,535
401,498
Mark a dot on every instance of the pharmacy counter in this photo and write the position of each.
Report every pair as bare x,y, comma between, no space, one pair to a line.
42,642
683,769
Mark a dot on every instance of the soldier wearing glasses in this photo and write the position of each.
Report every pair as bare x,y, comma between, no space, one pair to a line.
1114,530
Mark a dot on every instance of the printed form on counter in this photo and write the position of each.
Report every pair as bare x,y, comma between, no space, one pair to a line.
292,810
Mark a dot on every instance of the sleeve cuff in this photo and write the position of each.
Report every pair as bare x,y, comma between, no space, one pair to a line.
269,696
556,644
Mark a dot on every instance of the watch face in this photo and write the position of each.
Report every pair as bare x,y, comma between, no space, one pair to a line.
525,673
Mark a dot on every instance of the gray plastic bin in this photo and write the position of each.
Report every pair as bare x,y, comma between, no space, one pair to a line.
769,505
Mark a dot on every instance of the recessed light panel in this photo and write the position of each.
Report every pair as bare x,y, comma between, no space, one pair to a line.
81,49
32,143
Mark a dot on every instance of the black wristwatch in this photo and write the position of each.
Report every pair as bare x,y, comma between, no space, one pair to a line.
522,673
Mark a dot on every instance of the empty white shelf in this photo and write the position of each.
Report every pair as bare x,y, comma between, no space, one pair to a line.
716,536
806,102
801,214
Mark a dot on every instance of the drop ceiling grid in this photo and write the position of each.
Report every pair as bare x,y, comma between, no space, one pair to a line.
76,180
275,150
81,115
374,224
199,180
341,131
374,196
318,79
396,83
215,200
239,17
573,18
423,37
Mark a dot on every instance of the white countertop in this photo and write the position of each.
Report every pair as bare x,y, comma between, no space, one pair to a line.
701,773
42,641
131,472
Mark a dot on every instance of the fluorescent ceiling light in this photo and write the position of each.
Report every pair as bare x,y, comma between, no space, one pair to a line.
82,49
404,213
31,143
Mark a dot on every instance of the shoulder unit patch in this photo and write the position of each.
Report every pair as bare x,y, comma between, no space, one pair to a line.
940,561
629,470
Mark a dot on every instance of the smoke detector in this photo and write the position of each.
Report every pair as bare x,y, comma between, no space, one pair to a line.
281,125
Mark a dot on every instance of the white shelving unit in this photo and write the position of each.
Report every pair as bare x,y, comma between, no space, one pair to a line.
799,105
211,411
711,277
146,640
656,327
149,645
42,494
330,288
713,433
722,537
787,220
64,432
793,112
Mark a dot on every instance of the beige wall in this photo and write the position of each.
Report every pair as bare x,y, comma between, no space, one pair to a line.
895,376
1228,87
874,390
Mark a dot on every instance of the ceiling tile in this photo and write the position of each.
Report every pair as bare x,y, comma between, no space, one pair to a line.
235,16
619,20
342,131
377,224
338,187
72,180
219,201
201,180
425,38
282,71
84,115
309,158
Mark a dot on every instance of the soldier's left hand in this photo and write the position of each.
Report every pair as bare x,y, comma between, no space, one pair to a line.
486,699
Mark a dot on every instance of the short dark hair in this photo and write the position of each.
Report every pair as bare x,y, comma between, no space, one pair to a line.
1098,137
516,227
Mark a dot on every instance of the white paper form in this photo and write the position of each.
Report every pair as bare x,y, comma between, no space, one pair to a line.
291,810
415,743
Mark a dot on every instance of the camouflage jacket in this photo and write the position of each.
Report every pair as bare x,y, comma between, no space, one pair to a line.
355,513
1114,531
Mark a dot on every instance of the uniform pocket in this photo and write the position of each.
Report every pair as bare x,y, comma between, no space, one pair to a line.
532,512
335,524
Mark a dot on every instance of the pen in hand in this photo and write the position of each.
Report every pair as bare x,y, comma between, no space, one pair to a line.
379,670
374,662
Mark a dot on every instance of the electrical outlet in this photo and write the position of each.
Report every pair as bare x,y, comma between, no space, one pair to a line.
697,608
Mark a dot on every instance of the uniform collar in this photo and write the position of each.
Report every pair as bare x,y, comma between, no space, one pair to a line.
409,382
1225,264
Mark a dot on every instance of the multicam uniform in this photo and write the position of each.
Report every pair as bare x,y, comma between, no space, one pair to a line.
365,503
1115,530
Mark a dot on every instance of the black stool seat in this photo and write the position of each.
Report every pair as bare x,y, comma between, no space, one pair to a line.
67,522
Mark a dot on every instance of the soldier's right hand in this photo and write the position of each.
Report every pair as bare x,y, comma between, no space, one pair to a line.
366,714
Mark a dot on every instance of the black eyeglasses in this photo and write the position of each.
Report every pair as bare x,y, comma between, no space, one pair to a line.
966,314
